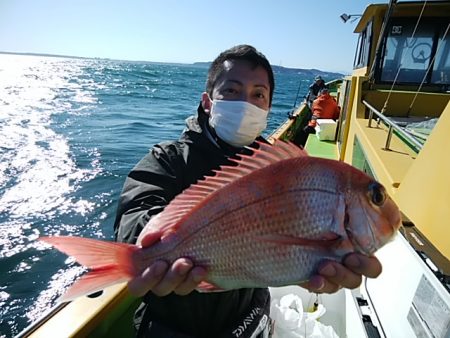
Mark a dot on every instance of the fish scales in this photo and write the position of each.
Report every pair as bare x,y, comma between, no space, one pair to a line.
228,231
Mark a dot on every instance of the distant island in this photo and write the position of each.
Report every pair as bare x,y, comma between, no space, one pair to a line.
277,69
300,71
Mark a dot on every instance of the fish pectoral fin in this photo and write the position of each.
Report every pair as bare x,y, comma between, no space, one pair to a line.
208,287
327,240
151,238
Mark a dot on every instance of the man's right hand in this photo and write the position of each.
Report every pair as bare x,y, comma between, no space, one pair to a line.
182,277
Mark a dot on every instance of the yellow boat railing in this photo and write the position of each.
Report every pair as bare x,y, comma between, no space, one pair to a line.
392,126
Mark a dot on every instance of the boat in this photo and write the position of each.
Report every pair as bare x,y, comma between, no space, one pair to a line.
394,124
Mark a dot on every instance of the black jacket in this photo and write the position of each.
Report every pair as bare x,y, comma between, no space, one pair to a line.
163,173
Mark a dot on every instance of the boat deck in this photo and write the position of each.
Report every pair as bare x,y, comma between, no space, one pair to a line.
325,149
390,165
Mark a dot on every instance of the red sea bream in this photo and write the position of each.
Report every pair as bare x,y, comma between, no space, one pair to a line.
268,221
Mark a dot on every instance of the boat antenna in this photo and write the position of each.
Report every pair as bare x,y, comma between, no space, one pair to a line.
401,60
428,70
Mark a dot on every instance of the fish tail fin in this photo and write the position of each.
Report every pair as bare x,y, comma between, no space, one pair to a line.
109,262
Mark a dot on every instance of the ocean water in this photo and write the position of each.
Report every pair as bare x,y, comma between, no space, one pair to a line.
70,131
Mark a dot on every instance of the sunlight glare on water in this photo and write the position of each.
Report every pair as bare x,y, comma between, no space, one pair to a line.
39,174
38,169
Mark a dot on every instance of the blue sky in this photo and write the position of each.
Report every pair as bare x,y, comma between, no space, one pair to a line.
291,33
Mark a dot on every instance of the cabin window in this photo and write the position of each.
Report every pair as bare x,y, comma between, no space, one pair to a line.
363,47
441,67
407,57
359,159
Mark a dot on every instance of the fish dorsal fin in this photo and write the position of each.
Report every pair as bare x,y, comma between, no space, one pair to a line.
182,205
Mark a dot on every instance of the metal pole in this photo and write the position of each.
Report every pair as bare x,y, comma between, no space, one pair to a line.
389,137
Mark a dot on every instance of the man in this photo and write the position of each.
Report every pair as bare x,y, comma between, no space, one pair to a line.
314,90
232,114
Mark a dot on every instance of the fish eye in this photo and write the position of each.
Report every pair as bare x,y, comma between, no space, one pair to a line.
377,194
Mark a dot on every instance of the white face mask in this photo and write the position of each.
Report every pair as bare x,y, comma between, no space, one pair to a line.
238,123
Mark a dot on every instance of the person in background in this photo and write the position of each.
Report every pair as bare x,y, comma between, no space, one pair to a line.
323,107
314,90
231,115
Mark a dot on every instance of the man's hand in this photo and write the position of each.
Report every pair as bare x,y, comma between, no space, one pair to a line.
333,276
160,278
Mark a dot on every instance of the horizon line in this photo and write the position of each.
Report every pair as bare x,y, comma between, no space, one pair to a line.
165,62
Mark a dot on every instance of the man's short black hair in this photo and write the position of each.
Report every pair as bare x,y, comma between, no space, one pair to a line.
240,52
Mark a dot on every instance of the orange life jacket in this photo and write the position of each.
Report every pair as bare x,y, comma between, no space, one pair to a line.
324,107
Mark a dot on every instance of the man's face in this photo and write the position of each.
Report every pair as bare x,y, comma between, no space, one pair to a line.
241,82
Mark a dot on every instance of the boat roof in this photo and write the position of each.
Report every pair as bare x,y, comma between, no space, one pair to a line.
436,8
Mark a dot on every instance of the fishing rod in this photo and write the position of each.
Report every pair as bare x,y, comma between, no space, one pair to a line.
295,102
298,91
